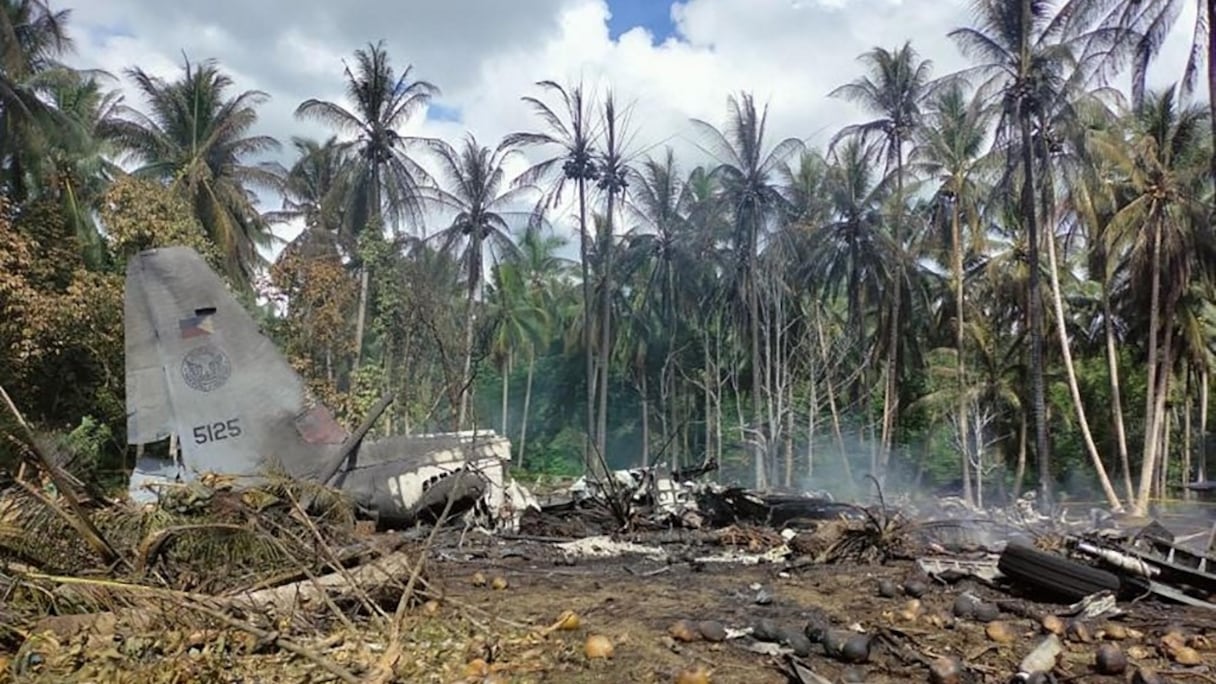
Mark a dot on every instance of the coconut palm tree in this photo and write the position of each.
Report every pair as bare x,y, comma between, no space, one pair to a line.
571,133
748,174
76,164
949,153
613,177
32,40
1027,58
893,89
197,138
1162,168
316,187
386,182
1142,29
476,191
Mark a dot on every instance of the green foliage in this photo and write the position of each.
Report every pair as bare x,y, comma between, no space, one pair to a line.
140,214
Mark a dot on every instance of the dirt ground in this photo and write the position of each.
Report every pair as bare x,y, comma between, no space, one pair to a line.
494,605
635,601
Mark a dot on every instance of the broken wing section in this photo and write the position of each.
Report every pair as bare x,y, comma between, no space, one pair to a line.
198,365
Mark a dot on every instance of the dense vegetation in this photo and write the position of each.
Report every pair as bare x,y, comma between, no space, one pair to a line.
1004,276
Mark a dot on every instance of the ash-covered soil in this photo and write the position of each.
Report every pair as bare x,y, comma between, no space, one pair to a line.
635,602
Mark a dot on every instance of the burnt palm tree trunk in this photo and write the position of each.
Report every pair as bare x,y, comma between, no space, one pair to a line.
1033,305
891,394
956,237
753,314
589,462
601,430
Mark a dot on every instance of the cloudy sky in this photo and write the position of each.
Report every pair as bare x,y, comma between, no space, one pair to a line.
668,61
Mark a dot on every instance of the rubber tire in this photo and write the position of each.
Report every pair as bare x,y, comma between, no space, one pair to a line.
1054,574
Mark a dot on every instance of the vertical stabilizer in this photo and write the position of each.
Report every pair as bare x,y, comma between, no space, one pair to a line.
198,365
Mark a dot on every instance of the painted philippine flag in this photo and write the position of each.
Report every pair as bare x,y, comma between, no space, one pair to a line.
197,326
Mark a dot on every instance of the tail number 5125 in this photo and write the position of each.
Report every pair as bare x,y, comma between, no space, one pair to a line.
214,432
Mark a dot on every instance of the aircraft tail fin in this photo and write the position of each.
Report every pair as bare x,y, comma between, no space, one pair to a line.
198,366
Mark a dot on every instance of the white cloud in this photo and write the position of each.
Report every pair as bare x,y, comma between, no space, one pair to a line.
485,54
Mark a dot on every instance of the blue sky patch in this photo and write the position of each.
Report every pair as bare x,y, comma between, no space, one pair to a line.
437,111
653,15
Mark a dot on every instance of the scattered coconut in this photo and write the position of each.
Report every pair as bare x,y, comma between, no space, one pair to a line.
712,630
987,612
946,670
915,588
1079,631
1001,632
597,646
766,630
1110,660
430,608
1139,652
1186,656
498,583
815,631
964,606
1114,631
942,620
856,649
683,630
912,610
1052,624
887,589
797,641
568,621
479,580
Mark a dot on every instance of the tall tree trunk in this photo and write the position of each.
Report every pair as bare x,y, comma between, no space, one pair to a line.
956,237
590,462
1062,333
1034,303
890,404
718,396
1201,474
506,379
709,451
1149,459
645,422
753,310
1187,408
466,376
1160,414
1116,398
1019,473
789,435
810,426
523,423
601,429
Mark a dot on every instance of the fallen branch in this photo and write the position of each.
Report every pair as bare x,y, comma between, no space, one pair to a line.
382,571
